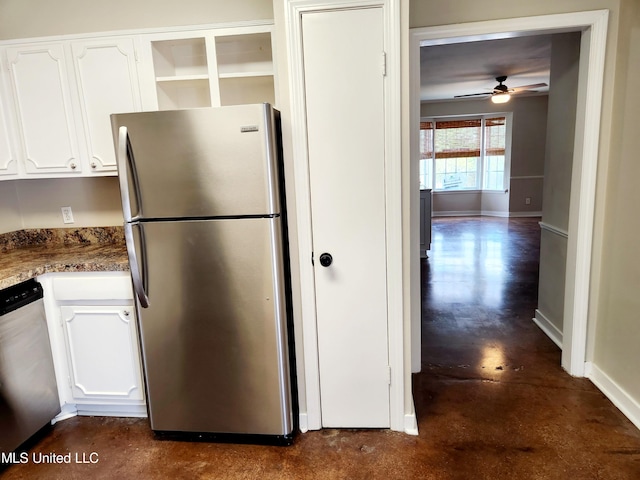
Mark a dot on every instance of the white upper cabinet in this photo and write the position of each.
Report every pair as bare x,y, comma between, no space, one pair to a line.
43,106
8,160
107,79
63,95
57,94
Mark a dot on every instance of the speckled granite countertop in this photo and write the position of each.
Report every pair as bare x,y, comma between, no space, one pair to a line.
28,253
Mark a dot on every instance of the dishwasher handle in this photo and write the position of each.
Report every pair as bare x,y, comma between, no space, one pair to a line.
17,296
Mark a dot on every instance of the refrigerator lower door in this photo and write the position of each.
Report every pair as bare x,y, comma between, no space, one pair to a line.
214,335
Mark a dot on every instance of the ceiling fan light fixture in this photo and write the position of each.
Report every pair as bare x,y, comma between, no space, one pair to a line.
500,98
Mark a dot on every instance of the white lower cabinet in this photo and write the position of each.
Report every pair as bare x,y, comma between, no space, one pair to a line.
94,338
102,352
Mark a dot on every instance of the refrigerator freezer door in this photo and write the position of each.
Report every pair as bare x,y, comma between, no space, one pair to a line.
214,336
199,163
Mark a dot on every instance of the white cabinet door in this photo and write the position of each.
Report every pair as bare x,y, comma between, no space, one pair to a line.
107,79
345,128
40,83
8,160
103,353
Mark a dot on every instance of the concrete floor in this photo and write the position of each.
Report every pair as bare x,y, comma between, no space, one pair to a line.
492,401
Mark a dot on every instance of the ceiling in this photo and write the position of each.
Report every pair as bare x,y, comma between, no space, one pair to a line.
466,68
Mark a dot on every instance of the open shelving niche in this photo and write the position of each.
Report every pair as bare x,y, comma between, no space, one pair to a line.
213,70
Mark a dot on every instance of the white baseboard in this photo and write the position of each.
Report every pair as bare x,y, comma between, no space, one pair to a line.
410,424
67,411
468,213
548,328
139,411
525,214
95,410
452,213
303,421
614,392
482,213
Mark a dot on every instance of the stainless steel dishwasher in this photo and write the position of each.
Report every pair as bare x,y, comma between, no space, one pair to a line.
28,390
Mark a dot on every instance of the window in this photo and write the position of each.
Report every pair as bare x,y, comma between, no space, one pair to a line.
463,154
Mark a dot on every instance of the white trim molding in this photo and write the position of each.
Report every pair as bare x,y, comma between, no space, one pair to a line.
548,328
528,177
593,25
555,230
393,191
614,392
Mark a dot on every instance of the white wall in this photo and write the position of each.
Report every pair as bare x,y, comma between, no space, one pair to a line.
527,158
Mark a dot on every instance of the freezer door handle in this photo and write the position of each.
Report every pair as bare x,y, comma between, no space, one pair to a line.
125,159
137,270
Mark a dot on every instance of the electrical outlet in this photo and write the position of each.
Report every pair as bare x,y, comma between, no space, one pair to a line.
527,201
67,214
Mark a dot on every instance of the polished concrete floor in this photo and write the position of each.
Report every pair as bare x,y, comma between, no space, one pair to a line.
492,401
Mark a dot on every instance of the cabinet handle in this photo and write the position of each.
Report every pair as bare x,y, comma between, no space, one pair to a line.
73,166
126,313
93,165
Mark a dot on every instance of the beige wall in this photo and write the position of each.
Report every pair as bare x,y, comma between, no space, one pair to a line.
10,218
527,157
94,202
36,203
617,332
565,59
37,18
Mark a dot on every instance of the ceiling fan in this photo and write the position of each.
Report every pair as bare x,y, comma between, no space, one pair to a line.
501,93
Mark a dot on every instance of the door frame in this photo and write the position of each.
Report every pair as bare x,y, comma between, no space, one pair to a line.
593,25
311,419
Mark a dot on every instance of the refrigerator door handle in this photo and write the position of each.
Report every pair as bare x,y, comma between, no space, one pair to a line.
137,277
124,159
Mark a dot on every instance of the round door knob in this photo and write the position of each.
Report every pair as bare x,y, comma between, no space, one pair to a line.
326,259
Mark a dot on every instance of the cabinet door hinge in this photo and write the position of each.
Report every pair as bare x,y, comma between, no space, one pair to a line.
384,64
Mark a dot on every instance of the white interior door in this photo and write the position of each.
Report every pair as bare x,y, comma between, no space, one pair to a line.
344,75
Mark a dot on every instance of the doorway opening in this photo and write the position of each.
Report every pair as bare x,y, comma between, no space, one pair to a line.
593,26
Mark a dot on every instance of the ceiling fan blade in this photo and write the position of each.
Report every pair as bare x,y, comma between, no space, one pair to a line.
473,95
527,87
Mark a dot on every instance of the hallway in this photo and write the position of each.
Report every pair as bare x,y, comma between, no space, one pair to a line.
492,393
492,401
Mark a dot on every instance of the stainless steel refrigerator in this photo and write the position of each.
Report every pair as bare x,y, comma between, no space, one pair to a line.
204,225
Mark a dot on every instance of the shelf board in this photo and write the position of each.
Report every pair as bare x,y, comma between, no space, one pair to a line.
181,78
246,74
